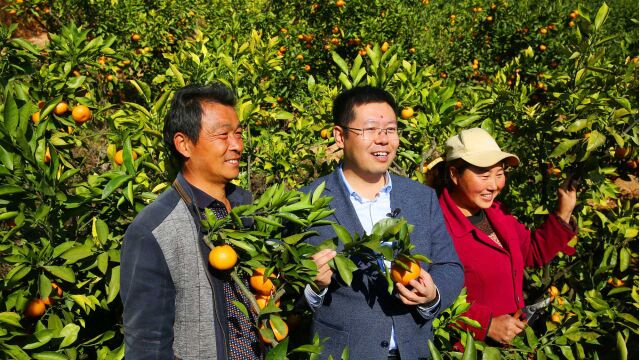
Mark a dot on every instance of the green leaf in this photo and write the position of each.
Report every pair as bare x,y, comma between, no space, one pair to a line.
566,351
345,267
267,221
127,157
62,272
102,230
601,16
340,62
10,189
563,147
49,355
241,307
114,284
42,337
279,352
491,353
625,255
10,318
76,253
318,192
44,286
595,140
469,349
435,354
70,334
577,125
103,262
11,117
343,233
114,184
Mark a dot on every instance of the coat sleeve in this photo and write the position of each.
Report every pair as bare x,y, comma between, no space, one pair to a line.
445,268
541,246
148,296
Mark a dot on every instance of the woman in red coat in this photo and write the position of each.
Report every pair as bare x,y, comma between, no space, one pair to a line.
493,246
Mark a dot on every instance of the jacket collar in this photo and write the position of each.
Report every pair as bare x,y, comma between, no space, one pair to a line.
202,199
344,213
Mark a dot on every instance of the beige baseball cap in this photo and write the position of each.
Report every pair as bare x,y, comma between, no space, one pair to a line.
478,148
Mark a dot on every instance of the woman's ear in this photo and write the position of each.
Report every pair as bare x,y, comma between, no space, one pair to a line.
453,175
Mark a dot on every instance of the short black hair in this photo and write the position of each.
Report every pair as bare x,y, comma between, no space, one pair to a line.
344,105
185,113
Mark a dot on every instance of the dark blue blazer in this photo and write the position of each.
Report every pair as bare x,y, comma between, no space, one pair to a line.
361,316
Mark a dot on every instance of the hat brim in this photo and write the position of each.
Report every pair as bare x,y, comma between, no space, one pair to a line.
490,158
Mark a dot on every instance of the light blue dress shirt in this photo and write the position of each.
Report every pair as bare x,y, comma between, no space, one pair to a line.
369,212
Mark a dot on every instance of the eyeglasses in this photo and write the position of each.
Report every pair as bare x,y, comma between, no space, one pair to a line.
373,132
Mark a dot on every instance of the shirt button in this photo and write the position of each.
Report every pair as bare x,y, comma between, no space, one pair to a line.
384,344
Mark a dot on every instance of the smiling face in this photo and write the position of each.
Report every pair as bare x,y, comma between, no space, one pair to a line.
368,159
215,158
475,188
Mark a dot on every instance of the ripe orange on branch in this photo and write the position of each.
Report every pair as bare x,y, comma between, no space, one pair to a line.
223,257
35,308
406,113
119,157
260,284
402,275
81,114
61,108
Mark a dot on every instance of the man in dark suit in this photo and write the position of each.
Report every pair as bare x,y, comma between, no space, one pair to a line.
364,317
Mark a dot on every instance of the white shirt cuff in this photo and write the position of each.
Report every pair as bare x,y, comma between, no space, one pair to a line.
313,299
429,312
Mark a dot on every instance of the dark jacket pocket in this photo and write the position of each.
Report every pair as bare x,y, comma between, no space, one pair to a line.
337,340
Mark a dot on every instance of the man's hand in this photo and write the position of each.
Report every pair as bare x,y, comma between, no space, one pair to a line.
322,258
504,328
566,202
423,290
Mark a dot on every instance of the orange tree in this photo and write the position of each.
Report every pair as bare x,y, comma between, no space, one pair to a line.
557,85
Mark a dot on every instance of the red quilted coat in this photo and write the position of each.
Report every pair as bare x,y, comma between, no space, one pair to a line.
493,275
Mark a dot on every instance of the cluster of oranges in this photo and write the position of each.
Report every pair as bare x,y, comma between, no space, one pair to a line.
80,113
36,307
224,257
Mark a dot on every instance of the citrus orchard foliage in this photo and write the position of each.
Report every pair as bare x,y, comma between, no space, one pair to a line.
555,83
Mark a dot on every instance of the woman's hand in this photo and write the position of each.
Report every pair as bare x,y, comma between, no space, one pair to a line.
504,328
566,202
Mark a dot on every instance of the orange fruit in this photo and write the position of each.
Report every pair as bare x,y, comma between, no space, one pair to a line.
335,30
543,30
618,283
572,24
223,257
263,301
573,14
119,157
324,134
307,68
542,47
109,77
47,156
135,37
385,47
458,104
36,118
399,274
489,18
61,108
57,289
340,3
279,337
556,318
260,284
35,308
553,291
412,50
81,114
406,113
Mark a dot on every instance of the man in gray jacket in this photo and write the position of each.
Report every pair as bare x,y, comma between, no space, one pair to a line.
364,317
175,304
